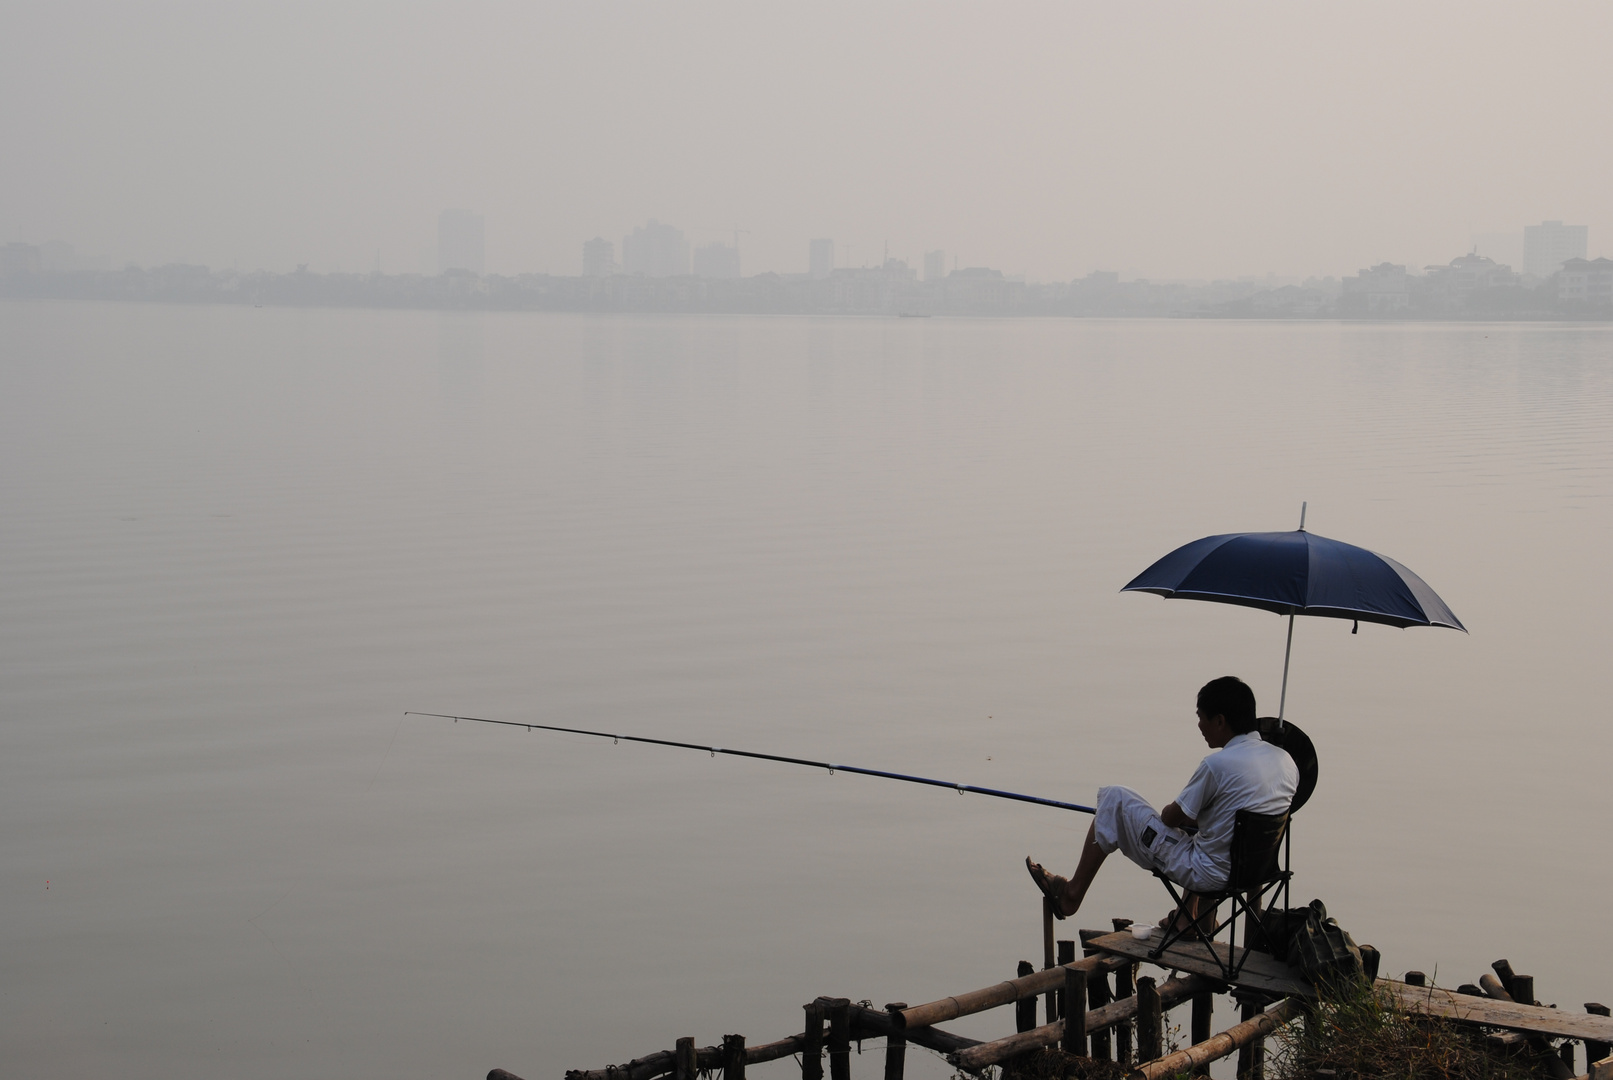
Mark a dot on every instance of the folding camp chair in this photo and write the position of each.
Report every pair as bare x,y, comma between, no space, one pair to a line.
1260,856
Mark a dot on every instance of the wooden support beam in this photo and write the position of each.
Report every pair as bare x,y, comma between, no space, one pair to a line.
1370,959
1066,955
1025,1011
1150,1020
871,1023
1203,1016
839,1011
1098,997
984,1055
1125,987
1004,993
1200,1055
1251,1051
1052,1012
1596,1050
1075,1016
685,1064
733,1057
1601,1070
812,1039
895,1045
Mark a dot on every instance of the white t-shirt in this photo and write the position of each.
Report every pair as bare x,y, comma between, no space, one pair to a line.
1247,773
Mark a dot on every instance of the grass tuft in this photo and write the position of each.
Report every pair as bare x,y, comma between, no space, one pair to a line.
1358,1033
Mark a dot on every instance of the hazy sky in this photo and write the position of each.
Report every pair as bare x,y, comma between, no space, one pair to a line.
1154,139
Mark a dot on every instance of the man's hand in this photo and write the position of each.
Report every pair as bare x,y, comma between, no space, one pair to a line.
1172,815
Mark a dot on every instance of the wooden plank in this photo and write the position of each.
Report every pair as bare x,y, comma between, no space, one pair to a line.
1553,1023
1260,972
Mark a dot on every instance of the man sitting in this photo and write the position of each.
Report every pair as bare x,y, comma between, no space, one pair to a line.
1190,841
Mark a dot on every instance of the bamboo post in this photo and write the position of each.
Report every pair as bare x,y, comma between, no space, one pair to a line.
812,1051
1596,1051
1004,993
1125,987
1066,956
733,1057
1047,957
1370,958
1150,1021
1075,1009
1098,995
1252,1054
1566,1052
839,1039
1523,990
1416,978
1503,971
1203,1013
895,1045
1492,986
685,1064
1025,1011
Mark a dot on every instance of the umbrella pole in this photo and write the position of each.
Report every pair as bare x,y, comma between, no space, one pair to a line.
1282,701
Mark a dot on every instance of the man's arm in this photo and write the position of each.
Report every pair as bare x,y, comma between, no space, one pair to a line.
1172,815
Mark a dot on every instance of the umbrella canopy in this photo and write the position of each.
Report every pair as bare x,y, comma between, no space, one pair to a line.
1297,573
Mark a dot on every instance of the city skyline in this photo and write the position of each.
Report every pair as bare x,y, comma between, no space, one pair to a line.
658,249
1050,141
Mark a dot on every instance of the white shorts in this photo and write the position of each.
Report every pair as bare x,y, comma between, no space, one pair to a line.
1126,821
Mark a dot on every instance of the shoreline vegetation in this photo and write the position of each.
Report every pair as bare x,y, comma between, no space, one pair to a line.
1461,292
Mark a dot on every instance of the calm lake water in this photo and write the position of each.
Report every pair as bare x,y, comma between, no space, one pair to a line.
239,543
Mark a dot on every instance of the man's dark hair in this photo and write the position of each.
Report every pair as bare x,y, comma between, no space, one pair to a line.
1231,697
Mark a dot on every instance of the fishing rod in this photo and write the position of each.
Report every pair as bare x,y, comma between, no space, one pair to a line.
715,750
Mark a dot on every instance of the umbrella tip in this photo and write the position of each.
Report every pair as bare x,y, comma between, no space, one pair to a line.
1302,506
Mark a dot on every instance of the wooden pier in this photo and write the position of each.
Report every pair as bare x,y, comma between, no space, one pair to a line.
1100,1006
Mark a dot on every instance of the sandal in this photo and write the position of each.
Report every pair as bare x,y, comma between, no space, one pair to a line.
1052,887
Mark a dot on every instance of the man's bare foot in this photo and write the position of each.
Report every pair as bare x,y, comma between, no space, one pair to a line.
1053,887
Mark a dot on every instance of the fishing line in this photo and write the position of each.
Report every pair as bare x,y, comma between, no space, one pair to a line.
832,768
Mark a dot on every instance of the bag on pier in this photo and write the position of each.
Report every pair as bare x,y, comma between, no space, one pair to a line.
1317,945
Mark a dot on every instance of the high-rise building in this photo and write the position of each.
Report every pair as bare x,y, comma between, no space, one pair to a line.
1550,244
935,265
461,241
716,261
821,258
598,258
655,250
